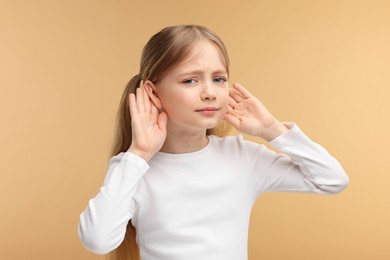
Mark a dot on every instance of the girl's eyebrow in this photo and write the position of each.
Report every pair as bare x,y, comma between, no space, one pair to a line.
197,72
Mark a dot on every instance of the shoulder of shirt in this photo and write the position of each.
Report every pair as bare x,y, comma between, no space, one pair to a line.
117,157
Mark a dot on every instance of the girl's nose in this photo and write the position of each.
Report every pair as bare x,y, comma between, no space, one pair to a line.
208,93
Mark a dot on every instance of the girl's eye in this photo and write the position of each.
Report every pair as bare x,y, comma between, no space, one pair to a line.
189,81
220,80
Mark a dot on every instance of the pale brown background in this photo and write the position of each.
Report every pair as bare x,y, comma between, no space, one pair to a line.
322,64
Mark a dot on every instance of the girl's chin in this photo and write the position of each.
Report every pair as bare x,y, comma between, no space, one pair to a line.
196,125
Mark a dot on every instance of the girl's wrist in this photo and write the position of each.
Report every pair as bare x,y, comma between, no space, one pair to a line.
274,131
144,155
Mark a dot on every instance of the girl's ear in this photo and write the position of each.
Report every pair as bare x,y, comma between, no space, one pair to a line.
152,93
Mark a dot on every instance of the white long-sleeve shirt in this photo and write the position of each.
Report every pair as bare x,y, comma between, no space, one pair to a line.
197,205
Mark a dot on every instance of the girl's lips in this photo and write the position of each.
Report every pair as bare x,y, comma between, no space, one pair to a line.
208,111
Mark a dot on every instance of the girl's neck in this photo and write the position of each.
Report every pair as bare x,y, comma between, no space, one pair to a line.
181,141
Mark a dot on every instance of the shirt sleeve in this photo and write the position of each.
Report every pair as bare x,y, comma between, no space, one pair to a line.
304,166
103,223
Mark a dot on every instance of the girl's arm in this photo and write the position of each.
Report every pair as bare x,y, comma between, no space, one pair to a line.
305,166
103,223
308,167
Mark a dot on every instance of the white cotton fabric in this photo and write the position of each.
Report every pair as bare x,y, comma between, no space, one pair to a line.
197,205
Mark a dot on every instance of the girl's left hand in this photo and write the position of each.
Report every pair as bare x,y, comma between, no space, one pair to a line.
248,115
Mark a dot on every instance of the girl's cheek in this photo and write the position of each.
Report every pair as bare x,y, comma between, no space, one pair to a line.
226,97
225,93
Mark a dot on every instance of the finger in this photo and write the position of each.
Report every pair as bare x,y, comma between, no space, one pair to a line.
234,121
140,100
153,112
132,104
242,90
230,108
235,108
145,98
232,111
233,103
148,102
235,96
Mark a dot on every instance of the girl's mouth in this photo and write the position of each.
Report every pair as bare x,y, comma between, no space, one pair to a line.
207,111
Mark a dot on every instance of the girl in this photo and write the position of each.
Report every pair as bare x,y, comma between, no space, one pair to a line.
187,192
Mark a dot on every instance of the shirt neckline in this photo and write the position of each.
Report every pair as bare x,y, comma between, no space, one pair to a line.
174,156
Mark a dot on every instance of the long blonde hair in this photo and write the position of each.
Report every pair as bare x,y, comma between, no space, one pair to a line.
162,52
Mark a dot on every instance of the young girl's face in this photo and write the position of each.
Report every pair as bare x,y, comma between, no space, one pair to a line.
195,93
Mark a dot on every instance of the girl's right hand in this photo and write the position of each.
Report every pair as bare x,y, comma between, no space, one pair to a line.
148,125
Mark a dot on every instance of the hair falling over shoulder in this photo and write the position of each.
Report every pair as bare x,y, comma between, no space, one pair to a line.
162,52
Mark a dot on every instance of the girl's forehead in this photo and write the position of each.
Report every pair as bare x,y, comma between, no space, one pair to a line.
201,53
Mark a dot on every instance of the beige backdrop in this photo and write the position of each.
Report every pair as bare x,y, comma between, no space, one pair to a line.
323,64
